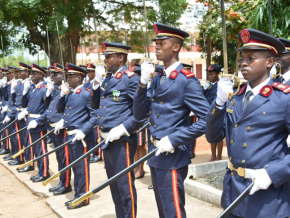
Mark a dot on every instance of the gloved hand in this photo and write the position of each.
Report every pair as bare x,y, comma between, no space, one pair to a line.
146,69
26,85
164,145
50,88
1,83
4,81
13,86
206,85
225,87
261,181
22,114
47,80
6,119
32,124
4,109
64,89
191,114
79,135
99,72
288,141
116,133
59,125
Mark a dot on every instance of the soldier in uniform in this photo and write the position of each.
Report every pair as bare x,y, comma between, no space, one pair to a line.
256,123
33,99
62,155
23,75
97,156
114,100
5,144
284,60
78,123
169,100
210,89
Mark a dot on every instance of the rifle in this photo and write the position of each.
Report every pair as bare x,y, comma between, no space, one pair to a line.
7,137
10,124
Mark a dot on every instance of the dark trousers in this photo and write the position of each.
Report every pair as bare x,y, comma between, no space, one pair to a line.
62,157
169,192
82,169
5,143
118,156
17,141
39,149
23,139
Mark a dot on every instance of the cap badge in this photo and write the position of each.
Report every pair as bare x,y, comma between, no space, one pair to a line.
245,36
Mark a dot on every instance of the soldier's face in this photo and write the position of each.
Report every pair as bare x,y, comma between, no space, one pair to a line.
165,49
213,76
36,77
112,62
284,60
91,74
22,74
74,80
10,76
255,66
57,78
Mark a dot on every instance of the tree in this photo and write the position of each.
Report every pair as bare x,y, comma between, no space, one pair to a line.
123,18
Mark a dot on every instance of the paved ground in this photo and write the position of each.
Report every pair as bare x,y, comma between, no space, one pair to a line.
33,202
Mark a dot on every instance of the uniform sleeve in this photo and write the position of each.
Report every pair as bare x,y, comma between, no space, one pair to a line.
279,172
132,124
88,126
194,99
47,101
25,98
95,98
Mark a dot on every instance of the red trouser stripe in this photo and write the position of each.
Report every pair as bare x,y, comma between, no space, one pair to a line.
18,141
130,180
7,140
43,152
140,138
66,153
175,193
99,140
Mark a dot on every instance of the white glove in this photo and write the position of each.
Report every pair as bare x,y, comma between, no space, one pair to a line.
32,124
225,87
146,69
261,181
1,83
50,88
288,141
22,114
59,125
191,114
4,81
26,85
116,133
64,89
6,119
99,72
48,80
79,135
4,109
206,85
13,86
164,145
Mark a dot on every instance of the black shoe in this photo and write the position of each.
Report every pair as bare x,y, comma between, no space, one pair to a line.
25,169
95,159
150,187
41,178
55,188
34,177
62,191
83,203
140,177
8,157
15,162
48,140
4,151
68,202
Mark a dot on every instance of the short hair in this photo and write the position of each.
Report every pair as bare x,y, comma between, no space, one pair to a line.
124,55
177,41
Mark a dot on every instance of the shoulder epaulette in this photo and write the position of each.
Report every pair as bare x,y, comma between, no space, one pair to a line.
119,75
129,73
88,89
284,88
187,73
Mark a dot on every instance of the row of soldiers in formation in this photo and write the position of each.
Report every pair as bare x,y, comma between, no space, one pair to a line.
120,102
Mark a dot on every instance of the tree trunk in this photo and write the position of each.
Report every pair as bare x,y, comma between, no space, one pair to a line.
208,53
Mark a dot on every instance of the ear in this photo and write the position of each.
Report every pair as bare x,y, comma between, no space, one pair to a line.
270,62
121,58
176,47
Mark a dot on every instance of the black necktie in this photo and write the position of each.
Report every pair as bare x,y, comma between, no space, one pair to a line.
247,98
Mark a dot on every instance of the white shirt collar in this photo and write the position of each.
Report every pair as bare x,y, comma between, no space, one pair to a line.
171,68
257,89
213,83
286,76
74,90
